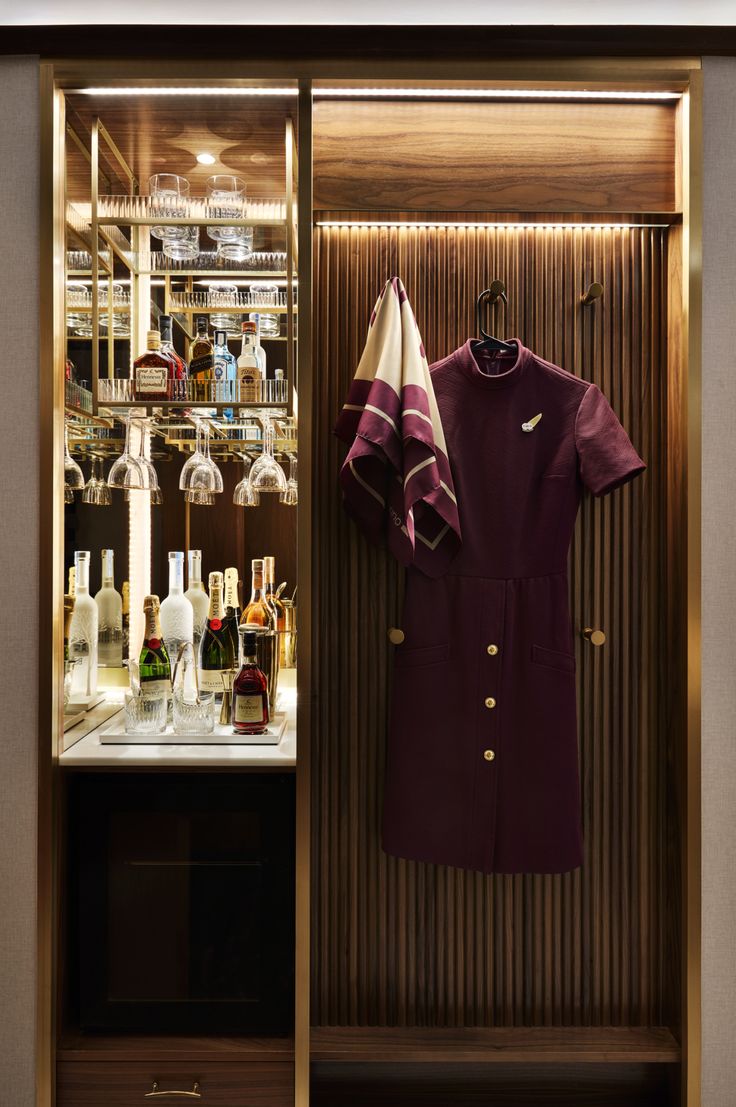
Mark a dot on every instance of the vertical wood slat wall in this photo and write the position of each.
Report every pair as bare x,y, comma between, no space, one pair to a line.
403,943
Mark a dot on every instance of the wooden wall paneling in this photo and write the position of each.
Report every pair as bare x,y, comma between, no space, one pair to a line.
406,944
474,156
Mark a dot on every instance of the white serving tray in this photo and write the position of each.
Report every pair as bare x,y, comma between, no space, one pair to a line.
115,735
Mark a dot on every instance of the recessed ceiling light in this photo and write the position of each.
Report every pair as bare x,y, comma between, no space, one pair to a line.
206,159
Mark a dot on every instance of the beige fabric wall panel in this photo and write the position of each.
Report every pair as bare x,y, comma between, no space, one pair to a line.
719,582
19,452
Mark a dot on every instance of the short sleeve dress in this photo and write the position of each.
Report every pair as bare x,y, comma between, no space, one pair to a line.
482,755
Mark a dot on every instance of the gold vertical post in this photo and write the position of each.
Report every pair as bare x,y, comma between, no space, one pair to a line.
95,172
304,572
289,159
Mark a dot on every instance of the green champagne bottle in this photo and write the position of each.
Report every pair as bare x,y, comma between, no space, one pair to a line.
154,665
216,655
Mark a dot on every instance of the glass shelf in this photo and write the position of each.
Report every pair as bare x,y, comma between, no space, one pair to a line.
259,264
220,301
145,211
119,392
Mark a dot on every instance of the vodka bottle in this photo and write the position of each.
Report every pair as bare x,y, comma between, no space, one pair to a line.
83,631
110,616
177,613
249,371
197,596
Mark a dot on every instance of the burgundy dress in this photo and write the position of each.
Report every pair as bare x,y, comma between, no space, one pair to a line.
482,757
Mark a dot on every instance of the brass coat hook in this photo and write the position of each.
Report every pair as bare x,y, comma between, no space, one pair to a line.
595,291
496,292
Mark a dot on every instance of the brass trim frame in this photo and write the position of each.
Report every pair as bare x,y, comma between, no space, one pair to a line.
680,73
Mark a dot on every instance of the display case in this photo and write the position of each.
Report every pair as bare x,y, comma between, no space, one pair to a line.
573,193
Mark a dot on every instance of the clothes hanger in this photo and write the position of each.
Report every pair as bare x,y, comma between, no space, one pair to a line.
496,292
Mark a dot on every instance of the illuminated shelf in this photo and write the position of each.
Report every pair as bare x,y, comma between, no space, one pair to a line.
119,393
147,211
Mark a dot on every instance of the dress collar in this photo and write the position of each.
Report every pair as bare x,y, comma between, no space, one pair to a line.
470,363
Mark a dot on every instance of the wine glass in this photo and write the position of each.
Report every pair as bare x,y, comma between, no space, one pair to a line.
198,496
126,471
200,473
266,475
96,491
244,495
291,495
73,475
197,458
148,473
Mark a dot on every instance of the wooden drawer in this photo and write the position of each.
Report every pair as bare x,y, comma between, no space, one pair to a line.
221,1084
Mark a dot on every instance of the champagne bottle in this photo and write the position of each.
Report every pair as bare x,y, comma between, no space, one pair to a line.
257,613
177,613
110,611
154,664
232,607
68,613
83,631
216,655
126,618
197,596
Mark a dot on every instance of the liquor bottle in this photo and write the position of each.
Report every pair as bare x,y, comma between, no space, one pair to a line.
258,613
232,607
250,690
216,657
269,588
68,613
110,616
201,354
151,371
126,619
83,631
225,367
255,317
178,365
197,596
249,372
72,589
177,613
154,665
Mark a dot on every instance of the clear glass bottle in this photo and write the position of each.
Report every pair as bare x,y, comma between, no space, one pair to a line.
250,690
196,593
126,619
151,371
177,613
255,317
110,616
225,366
274,602
154,664
201,354
249,372
83,631
258,612
216,655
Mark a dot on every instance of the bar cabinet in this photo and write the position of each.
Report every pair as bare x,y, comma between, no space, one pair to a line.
575,184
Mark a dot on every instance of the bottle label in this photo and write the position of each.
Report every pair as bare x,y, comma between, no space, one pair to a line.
201,366
155,688
212,680
248,709
151,378
220,369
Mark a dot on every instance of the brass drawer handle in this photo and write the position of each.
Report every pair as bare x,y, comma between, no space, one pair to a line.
157,1093
595,637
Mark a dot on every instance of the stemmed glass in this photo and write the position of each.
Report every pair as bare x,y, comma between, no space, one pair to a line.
266,474
128,471
244,495
96,490
73,475
291,495
200,478
148,473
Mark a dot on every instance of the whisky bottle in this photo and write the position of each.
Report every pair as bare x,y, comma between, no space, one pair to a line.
154,664
274,602
257,612
151,371
110,616
201,354
197,596
216,657
250,690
